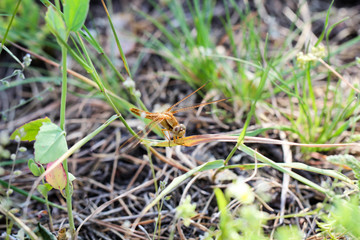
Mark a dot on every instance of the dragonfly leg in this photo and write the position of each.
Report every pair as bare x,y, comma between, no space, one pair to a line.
163,130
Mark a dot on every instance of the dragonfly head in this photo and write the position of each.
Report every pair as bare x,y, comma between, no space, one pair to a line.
179,130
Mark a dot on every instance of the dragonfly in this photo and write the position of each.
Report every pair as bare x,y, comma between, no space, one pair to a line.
167,119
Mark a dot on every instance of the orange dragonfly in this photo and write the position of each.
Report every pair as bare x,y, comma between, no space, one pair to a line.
167,119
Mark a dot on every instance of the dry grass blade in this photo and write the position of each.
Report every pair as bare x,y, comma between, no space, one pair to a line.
19,222
207,138
104,205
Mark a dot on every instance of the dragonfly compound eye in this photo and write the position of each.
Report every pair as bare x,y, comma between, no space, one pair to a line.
179,130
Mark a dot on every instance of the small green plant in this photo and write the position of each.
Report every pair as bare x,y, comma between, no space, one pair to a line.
318,118
192,49
51,149
342,219
348,161
49,146
246,222
186,210
7,205
320,123
25,26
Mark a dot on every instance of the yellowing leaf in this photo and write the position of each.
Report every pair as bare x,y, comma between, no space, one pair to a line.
57,177
28,131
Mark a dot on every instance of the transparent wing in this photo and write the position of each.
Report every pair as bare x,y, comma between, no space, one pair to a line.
198,105
135,140
169,109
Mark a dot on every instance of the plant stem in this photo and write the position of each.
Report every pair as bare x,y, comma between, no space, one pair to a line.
9,25
68,191
68,194
25,193
50,223
64,88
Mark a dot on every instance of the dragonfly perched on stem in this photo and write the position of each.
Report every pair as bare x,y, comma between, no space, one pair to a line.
167,119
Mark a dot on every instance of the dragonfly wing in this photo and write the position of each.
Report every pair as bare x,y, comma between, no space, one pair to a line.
135,140
198,105
169,109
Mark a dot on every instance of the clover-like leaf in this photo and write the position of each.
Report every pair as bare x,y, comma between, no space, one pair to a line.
50,143
44,189
34,168
75,12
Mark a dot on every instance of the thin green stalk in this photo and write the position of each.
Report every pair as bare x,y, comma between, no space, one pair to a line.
95,76
91,70
51,225
112,66
98,80
156,189
158,222
63,88
8,228
312,97
9,225
25,193
9,26
117,41
251,113
273,164
242,134
57,4
297,165
68,190
324,115
68,194
304,108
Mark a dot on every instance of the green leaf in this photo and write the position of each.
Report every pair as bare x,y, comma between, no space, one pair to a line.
217,164
75,12
28,131
86,34
56,23
44,189
221,200
44,233
34,168
50,143
341,129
